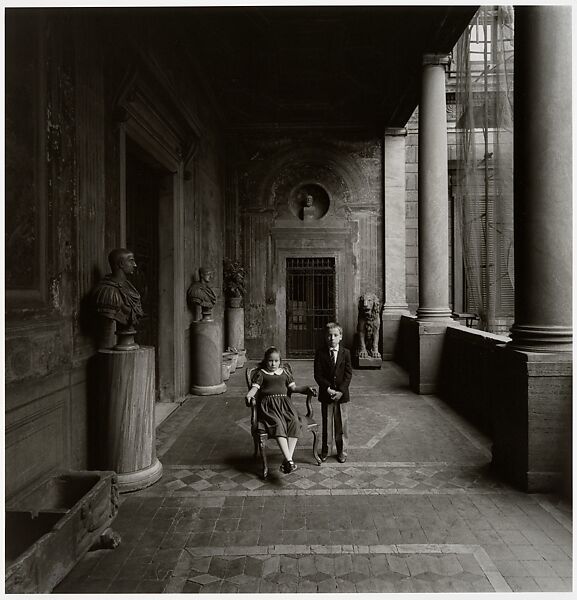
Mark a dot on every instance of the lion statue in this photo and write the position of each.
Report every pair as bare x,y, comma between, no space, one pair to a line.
369,326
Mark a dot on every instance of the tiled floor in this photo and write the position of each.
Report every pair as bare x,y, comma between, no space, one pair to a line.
414,509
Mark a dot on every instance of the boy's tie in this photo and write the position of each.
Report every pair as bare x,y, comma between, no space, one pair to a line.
334,355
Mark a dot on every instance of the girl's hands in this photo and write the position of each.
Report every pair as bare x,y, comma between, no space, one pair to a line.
311,390
249,399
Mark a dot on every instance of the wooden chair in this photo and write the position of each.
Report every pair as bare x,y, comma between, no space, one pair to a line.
259,434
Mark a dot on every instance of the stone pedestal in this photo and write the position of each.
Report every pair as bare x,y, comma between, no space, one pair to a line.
234,327
369,362
241,359
426,345
206,359
226,364
532,419
127,432
232,358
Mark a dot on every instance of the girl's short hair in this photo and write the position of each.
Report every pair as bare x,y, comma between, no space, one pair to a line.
270,350
333,325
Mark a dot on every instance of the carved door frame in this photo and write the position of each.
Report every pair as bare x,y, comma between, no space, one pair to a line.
149,113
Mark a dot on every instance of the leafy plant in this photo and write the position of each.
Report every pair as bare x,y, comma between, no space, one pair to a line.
234,276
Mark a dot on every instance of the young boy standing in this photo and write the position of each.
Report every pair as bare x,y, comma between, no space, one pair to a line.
333,372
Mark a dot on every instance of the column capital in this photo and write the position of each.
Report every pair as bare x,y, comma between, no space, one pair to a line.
436,59
396,131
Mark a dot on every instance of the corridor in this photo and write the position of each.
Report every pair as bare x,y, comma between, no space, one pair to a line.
414,509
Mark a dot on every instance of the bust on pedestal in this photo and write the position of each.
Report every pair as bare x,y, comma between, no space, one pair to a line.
126,411
205,338
234,288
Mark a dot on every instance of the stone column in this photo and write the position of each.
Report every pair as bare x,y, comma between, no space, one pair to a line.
433,314
532,437
395,284
543,183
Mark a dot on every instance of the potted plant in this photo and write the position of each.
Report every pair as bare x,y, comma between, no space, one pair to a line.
233,282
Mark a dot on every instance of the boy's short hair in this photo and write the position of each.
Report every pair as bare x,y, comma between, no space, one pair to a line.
333,325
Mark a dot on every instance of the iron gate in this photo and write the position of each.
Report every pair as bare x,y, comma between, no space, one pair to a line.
310,303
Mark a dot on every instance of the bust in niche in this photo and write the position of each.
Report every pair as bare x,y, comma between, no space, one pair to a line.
309,209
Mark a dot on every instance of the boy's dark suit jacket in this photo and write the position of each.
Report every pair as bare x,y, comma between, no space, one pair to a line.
329,375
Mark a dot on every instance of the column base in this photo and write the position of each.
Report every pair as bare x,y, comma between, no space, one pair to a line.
208,390
427,338
532,417
541,338
137,480
435,314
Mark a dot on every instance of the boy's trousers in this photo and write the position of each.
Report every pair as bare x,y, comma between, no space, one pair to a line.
335,425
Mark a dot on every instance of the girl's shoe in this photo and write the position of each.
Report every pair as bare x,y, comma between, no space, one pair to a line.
288,466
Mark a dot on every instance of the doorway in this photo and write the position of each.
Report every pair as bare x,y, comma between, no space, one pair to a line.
144,182
310,303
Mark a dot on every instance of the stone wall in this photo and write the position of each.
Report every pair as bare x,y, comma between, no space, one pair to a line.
95,83
272,168
469,374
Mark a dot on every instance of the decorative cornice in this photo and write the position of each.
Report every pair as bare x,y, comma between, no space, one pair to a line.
147,100
436,59
396,131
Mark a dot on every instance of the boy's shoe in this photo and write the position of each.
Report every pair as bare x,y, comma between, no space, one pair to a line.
323,457
342,458
292,466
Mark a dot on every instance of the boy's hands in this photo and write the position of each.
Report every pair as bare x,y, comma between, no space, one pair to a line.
335,395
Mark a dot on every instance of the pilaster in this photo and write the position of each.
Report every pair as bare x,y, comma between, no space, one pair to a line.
394,196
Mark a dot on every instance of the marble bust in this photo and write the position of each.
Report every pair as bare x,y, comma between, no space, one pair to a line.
201,294
117,300
308,208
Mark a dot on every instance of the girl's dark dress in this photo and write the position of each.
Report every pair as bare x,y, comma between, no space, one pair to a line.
275,411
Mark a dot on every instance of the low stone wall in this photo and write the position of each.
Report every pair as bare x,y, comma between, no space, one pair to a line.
468,380
403,347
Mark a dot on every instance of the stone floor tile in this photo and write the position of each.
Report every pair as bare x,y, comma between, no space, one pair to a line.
522,584
551,552
525,552
539,568
567,583
226,524
551,584
398,565
413,536
124,586
93,585
513,536
562,568
319,537
390,536
292,538
469,564
222,538
496,551
512,568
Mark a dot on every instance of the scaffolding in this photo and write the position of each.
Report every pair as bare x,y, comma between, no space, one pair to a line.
484,170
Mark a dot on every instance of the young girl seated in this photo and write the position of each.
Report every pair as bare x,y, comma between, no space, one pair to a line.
270,383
